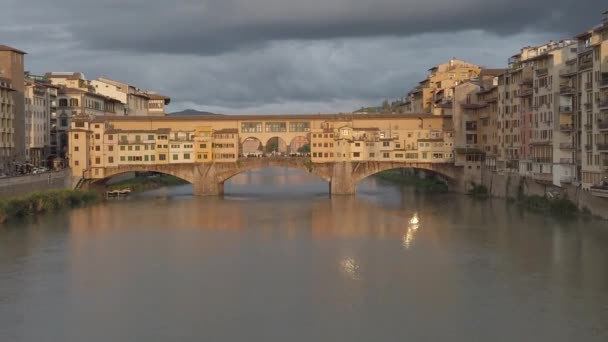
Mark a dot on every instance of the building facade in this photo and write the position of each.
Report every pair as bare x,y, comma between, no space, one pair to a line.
7,130
12,68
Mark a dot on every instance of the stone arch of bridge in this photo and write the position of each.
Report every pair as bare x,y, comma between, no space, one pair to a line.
448,173
321,172
251,144
181,171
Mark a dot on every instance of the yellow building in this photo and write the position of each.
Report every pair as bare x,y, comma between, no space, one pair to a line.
434,94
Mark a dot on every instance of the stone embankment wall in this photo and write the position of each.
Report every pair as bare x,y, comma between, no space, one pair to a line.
15,186
512,186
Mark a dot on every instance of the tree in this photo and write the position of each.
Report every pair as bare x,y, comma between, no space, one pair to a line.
273,145
304,149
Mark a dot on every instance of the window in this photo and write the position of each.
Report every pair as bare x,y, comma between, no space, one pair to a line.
130,148
97,160
76,163
146,157
152,158
299,127
276,127
175,157
110,160
162,157
356,154
122,158
76,149
386,155
137,148
122,148
76,136
203,146
150,137
97,148
187,156
110,137
386,143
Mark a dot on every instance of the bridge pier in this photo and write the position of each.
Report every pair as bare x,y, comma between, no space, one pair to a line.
342,182
208,187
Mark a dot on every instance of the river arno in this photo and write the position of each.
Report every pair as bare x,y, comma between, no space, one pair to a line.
278,260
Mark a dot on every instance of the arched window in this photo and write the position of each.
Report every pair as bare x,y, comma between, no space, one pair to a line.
73,102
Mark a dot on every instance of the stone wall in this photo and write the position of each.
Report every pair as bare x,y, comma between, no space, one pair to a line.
512,185
15,186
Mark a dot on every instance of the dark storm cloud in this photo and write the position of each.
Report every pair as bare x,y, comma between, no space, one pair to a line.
214,26
279,55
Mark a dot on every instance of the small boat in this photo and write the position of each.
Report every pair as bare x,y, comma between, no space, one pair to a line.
118,193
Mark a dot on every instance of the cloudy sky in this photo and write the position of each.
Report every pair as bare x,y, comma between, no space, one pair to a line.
280,56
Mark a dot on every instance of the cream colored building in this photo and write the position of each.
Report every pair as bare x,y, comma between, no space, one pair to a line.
7,131
434,94
591,83
136,101
37,122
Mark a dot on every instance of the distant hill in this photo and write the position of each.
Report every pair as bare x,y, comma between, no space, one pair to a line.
192,112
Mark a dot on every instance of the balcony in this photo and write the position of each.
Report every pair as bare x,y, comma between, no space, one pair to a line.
585,65
566,146
603,105
602,147
541,72
567,90
565,109
566,180
588,147
568,72
526,92
588,106
602,124
566,127
567,161
589,86
588,126
604,82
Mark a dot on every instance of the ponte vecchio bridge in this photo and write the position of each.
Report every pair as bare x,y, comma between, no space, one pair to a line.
208,150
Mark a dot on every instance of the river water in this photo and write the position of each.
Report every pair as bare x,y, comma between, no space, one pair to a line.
277,259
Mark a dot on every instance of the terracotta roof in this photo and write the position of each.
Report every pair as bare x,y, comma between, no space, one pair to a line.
157,131
270,117
154,96
227,131
371,129
8,48
68,76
